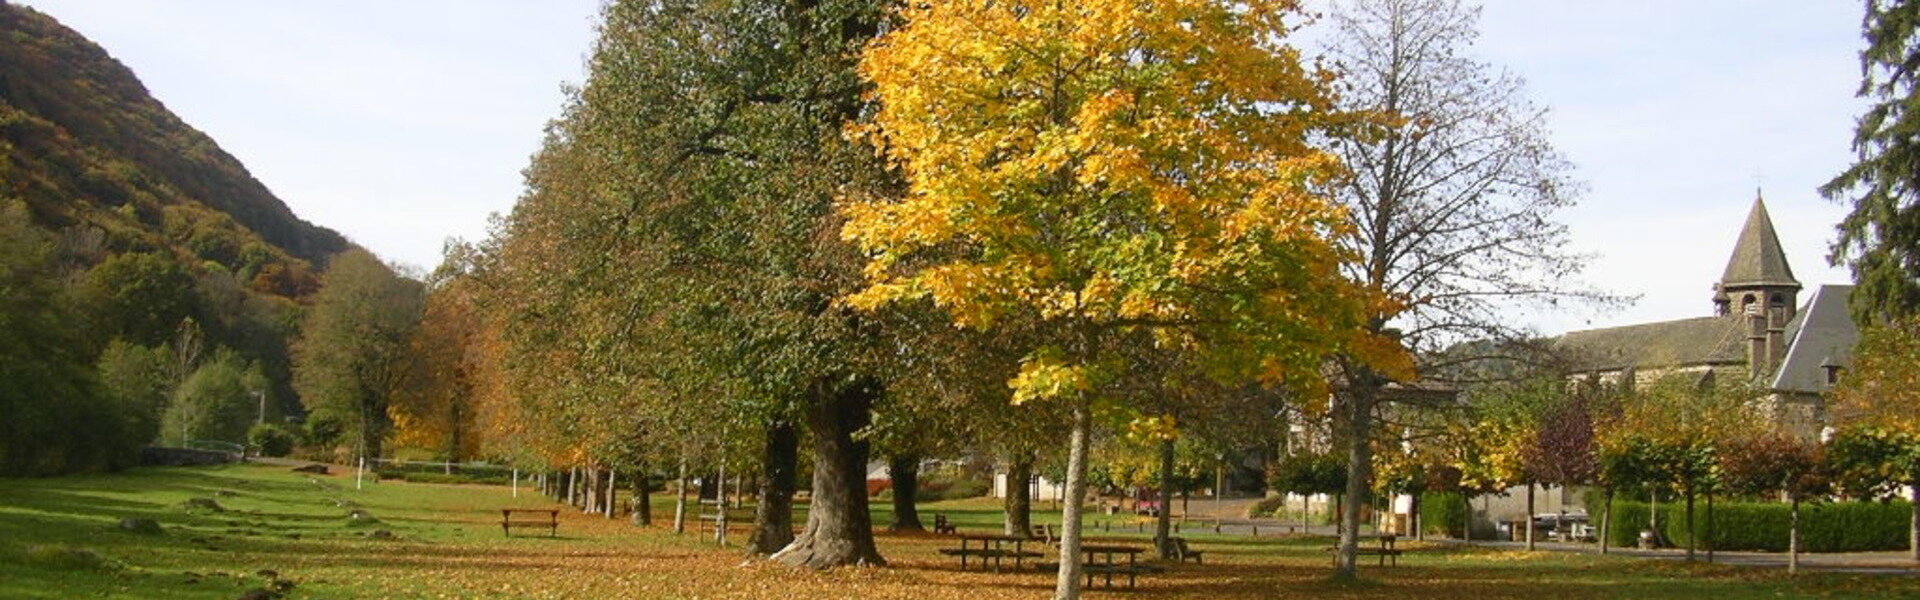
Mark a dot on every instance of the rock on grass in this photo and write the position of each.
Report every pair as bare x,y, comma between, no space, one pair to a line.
140,526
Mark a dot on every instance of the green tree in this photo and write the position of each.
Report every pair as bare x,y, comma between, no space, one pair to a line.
52,414
677,238
139,297
139,379
217,402
1880,237
352,353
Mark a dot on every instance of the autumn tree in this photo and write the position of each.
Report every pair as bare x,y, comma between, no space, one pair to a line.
451,368
1453,193
1880,237
1110,174
1877,408
1774,462
352,355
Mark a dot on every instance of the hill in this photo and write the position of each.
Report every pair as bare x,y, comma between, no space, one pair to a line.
94,155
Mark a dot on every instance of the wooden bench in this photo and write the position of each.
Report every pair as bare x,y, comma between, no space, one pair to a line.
508,521
942,525
1384,553
1180,551
1043,534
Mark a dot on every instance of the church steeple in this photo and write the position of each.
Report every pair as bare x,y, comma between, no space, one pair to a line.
1757,278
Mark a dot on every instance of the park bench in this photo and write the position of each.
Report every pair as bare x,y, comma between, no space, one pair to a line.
1044,534
509,520
1180,552
942,525
1385,550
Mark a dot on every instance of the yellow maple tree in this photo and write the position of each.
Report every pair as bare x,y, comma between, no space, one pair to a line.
1107,173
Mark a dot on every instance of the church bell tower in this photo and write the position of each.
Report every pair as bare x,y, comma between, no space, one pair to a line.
1757,279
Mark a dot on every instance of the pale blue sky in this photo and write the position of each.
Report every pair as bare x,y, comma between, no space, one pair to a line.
403,123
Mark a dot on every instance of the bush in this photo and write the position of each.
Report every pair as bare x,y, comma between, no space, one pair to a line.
1266,506
940,488
1443,513
1825,527
270,439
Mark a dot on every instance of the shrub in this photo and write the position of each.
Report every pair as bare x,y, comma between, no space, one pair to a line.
1826,527
941,488
1265,507
1443,513
270,439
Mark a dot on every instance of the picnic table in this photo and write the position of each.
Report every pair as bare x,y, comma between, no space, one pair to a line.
1093,565
991,546
1383,548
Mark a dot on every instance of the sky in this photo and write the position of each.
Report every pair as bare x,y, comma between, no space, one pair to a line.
402,124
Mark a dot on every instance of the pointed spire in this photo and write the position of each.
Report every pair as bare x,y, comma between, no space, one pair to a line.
1757,258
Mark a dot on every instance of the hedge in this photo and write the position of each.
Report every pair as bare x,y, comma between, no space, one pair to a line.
1443,514
1824,527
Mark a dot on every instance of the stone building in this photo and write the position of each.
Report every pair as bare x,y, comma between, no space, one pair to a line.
1760,332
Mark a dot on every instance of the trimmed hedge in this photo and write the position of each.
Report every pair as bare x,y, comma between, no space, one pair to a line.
1824,527
1444,514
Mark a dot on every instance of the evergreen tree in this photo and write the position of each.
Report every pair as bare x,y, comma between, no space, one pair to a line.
1880,238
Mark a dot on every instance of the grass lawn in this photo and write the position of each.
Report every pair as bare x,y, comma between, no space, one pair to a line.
59,539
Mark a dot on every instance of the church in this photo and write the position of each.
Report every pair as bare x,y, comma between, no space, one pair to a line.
1760,332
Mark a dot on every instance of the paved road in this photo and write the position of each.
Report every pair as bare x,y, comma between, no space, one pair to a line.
1229,512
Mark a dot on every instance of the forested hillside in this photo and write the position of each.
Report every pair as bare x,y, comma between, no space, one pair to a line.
149,286
84,144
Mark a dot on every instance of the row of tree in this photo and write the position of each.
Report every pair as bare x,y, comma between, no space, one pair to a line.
1003,229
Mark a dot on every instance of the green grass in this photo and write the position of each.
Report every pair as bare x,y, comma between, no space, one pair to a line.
59,539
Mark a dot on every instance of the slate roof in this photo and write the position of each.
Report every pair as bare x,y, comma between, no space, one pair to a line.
1757,256
1685,342
1822,333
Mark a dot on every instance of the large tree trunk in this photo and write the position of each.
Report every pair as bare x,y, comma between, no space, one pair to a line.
1163,523
1019,499
773,518
1466,525
1707,539
1413,517
610,504
1529,517
1359,477
680,499
1606,520
839,531
642,496
1691,532
904,469
1793,535
1913,529
1066,585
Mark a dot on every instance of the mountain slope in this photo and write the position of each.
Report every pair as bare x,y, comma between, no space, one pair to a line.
87,148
